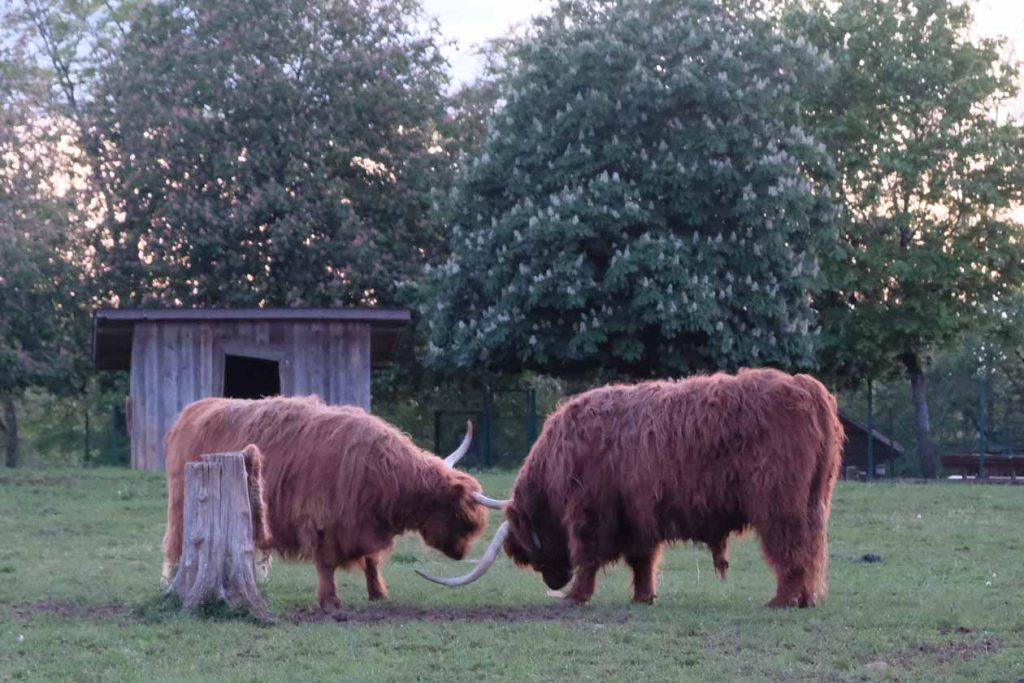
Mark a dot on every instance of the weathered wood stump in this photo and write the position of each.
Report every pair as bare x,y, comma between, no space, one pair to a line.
217,555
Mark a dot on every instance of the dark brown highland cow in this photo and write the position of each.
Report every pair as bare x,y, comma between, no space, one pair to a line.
618,471
339,484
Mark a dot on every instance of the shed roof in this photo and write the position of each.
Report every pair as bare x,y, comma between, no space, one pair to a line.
112,328
878,436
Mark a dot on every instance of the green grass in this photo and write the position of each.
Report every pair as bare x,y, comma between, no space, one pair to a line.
80,560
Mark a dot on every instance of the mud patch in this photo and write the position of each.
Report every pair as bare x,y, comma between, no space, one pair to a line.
314,615
960,650
72,610
406,613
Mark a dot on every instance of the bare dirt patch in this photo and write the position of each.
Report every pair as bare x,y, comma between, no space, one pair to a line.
382,614
960,650
404,613
71,610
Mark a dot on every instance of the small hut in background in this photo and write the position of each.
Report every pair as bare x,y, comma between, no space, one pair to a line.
178,356
855,451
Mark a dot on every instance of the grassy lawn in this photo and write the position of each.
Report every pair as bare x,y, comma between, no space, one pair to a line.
80,561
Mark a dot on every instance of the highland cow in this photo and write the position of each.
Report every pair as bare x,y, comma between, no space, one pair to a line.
339,484
619,471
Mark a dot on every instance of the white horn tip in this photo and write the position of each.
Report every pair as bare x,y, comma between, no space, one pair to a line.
435,579
452,460
489,502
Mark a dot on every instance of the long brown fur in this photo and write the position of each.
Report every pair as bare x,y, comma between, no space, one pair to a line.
620,470
339,484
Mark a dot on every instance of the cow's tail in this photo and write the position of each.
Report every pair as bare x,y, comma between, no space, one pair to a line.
826,471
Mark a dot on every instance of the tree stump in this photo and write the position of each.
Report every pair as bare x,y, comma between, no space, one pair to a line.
217,555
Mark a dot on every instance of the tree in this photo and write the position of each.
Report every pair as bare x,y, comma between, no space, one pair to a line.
646,200
927,175
269,152
41,298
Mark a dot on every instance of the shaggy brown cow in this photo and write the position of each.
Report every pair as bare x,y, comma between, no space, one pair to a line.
339,483
618,471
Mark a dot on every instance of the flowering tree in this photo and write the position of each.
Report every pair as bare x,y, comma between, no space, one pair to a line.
646,199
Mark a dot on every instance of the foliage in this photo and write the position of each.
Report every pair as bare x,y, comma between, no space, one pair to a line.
277,153
41,293
81,557
927,174
646,199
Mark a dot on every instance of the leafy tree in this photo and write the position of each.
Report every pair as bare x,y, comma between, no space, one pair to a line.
269,152
927,175
41,298
646,199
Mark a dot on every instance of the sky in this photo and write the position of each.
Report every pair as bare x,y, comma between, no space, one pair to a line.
472,22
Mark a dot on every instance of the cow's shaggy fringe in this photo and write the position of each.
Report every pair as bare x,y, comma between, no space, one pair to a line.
619,470
339,483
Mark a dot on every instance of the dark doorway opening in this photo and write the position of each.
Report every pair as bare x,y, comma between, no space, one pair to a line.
246,377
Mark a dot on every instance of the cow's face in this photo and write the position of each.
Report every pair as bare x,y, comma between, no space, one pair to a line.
454,520
537,540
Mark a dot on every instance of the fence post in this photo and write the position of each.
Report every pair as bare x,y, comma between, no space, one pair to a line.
437,431
981,424
531,418
88,435
488,415
871,437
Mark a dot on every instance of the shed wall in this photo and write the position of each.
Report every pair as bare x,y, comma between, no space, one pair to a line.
176,363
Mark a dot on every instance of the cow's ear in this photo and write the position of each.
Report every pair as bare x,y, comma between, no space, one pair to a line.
458,488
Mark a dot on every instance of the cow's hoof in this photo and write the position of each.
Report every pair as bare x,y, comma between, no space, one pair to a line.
330,603
376,597
644,599
779,602
572,602
802,600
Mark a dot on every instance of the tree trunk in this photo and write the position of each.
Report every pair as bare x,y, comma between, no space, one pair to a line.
218,551
922,424
10,425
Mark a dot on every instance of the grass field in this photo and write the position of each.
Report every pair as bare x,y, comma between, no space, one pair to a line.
80,560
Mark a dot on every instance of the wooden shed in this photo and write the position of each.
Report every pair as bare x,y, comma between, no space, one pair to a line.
177,356
855,450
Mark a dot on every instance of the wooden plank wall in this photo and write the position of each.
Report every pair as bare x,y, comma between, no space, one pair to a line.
176,363
331,360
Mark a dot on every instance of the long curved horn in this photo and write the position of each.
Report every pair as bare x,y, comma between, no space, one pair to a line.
488,502
457,454
481,567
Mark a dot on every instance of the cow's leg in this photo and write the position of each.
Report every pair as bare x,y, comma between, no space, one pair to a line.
720,556
166,570
326,593
375,587
583,585
262,564
172,535
645,569
784,542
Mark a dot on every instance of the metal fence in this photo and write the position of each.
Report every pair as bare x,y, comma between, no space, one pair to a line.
505,423
977,414
972,411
